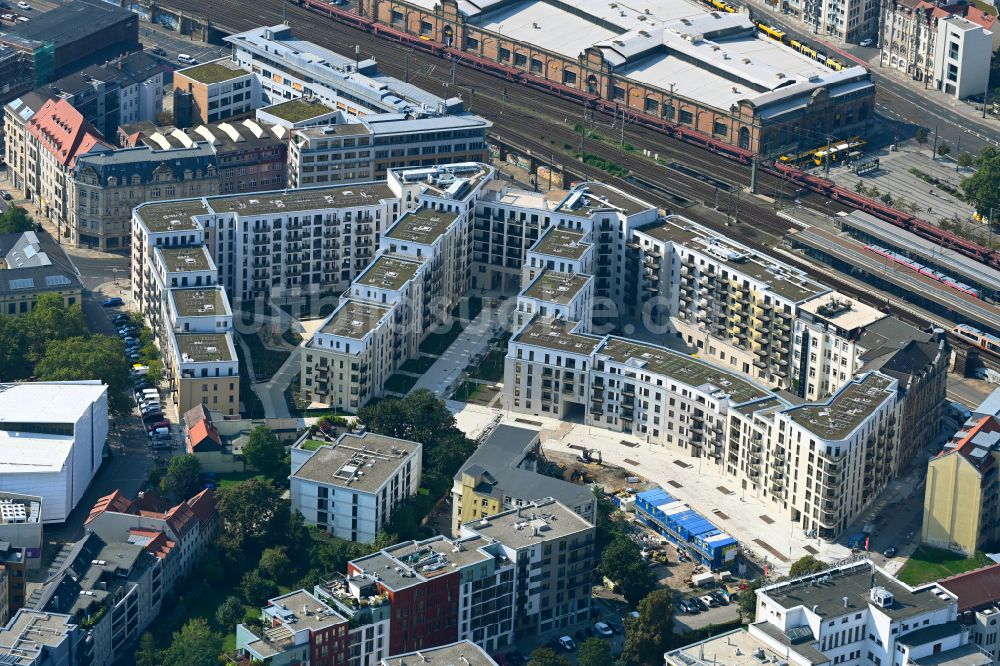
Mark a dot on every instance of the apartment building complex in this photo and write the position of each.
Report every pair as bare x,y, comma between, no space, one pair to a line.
852,613
502,475
27,271
978,593
34,638
421,270
351,486
961,499
946,45
847,20
219,89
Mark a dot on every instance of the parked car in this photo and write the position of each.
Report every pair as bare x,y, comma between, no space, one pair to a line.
709,601
158,431
715,594
867,42
186,59
890,552
156,50
566,643
5,195
152,418
112,302
615,627
701,605
23,5
159,424
603,629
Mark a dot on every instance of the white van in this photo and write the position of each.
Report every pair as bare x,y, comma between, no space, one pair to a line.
186,59
152,392
159,431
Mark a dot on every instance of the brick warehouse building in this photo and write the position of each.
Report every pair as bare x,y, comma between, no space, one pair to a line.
709,71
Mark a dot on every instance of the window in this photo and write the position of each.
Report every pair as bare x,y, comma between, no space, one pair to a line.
426,28
569,78
536,66
652,105
503,54
720,129
617,92
520,60
686,117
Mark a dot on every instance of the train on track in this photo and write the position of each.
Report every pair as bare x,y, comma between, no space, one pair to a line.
834,151
926,271
791,174
780,35
973,336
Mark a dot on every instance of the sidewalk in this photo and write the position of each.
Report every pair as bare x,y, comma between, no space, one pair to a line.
272,392
474,339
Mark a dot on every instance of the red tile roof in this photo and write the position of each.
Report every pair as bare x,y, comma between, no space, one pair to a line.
203,506
159,545
63,131
181,519
976,589
203,436
115,502
149,501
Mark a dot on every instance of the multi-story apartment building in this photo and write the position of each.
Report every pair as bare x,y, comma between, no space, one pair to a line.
251,154
854,613
16,115
502,475
462,652
35,638
55,135
350,487
219,89
961,497
125,90
420,272
846,20
979,606
300,628
946,45
105,185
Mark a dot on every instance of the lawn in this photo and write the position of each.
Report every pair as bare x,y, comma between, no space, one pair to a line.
436,343
232,478
400,383
929,564
265,361
466,391
491,367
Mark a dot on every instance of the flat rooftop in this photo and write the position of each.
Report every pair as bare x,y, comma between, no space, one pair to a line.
530,524
843,312
846,409
424,226
288,608
422,556
186,259
200,302
562,243
30,633
339,129
354,319
446,181
557,334
299,110
171,215
205,347
48,402
463,653
683,368
215,71
555,287
779,278
733,648
289,201
591,196
853,581
358,462
388,272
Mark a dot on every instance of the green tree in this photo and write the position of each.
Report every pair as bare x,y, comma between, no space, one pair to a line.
622,563
274,564
981,187
253,511
544,656
420,416
194,645
265,452
805,565
595,652
183,476
965,160
921,135
15,220
147,654
748,599
257,589
50,320
229,613
13,350
886,199
943,148
648,636
860,187
97,357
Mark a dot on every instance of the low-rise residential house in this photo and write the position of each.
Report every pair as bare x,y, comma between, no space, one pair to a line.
351,486
27,271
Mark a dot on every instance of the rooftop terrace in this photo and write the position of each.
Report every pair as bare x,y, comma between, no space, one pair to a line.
424,226
289,201
388,272
359,462
205,347
186,259
216,71
563,243
590,197
199,302
171,215
837,418
682,367
555,287
354,319
557,334
463,653
437,556
298,110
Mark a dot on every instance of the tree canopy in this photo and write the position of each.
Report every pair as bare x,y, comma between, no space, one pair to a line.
265,452
647,637
230,612
97,357
622,563
595,652
182,477
194,645
981,188
545,656
15,220
254,511
805,565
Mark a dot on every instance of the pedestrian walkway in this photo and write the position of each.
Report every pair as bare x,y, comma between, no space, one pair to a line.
476,337
272,392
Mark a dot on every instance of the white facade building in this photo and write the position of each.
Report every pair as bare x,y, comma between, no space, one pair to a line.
52,438
350,487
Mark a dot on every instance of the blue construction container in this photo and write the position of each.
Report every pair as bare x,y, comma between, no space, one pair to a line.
686,528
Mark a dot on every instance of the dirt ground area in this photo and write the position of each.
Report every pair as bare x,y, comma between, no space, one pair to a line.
609,477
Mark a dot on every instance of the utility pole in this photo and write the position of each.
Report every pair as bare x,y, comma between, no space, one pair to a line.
934,149
826,171
753,175
623,128
453,71
406,67
583,130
